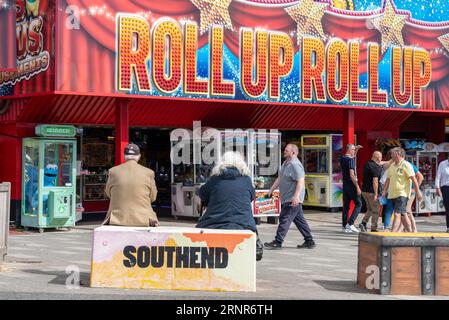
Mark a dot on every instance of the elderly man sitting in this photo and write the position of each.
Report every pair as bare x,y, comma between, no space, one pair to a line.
132,189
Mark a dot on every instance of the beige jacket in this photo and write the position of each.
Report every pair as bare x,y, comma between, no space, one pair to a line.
132,189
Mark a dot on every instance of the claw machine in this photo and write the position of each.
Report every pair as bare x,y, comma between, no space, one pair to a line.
425,157
265,148
321,159
192,161
49,178
183,200
443,154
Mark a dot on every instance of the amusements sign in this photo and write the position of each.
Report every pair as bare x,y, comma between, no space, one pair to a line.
174,258
303,51
33,28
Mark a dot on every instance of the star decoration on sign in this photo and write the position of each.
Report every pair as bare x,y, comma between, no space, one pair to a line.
445,41
390,25
213,12
308,15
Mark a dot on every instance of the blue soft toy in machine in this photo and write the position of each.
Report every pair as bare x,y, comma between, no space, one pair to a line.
31,188
50,175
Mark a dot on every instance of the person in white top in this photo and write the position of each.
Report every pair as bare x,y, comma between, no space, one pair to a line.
442,186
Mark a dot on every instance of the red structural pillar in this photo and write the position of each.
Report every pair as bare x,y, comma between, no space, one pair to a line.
121,129
395,133
11,136
364,154
348,137
348,128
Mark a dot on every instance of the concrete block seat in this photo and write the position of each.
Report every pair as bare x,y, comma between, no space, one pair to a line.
174,258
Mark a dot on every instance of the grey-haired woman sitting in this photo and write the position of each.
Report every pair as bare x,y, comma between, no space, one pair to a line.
228,196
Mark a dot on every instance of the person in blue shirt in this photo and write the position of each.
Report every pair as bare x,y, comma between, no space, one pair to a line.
420,179
387,204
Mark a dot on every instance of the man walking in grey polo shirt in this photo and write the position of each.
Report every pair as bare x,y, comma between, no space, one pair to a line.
291,191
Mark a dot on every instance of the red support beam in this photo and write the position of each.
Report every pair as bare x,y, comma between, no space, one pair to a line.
11,136
348,128
121,129
365,154
395,132
348,138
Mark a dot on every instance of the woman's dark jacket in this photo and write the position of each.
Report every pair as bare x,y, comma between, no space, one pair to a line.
228,199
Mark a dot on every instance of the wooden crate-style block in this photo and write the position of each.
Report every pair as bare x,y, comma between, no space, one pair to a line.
442,271
174,258
406,271
404,263
368,256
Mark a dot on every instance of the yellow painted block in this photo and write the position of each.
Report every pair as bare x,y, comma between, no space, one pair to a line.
411,235
174,258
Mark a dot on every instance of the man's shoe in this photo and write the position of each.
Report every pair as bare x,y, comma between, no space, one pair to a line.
310,244
354,229
273,245
346,230
374,230
362,227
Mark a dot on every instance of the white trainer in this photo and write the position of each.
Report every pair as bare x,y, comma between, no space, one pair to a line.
354,229
346,229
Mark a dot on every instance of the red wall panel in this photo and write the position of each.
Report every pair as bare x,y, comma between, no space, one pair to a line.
7,36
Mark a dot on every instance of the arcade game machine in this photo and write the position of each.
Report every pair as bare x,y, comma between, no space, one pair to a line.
265,148
154,147
321,159
193,171
443,151
49,178
425,157
443,154
182,182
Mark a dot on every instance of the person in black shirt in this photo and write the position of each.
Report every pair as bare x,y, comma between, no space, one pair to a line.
370,191
351,189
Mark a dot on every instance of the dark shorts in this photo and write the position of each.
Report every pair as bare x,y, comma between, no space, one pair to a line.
400,205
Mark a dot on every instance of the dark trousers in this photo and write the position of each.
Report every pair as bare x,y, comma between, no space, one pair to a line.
350,194
445,193
291,214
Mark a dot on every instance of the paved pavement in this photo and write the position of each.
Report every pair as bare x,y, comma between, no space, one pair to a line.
38,266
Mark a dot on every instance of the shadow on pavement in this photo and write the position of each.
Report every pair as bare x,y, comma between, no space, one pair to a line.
63,278
342,286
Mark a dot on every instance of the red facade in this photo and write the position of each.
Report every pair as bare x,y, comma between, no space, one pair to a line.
78,88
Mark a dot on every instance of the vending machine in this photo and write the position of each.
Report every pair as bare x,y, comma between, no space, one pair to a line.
425,159
49,178
265,148
321,159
